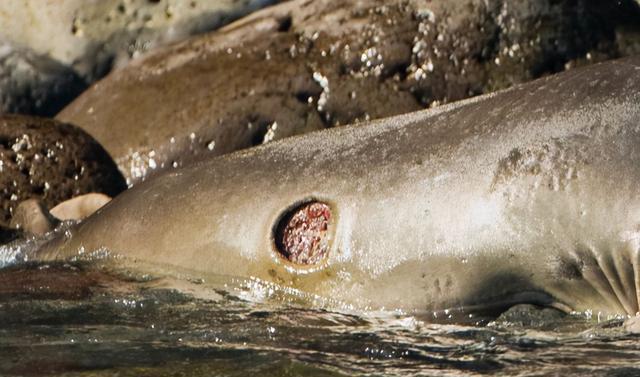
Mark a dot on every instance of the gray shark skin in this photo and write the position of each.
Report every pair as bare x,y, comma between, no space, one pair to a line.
528,195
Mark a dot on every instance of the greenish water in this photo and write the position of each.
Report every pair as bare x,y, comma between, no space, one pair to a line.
82,321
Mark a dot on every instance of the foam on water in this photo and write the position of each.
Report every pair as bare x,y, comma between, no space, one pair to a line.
10,255
24,249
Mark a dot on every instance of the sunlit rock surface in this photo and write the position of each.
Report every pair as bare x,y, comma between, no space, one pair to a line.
51,50
302,66
93,35
51,161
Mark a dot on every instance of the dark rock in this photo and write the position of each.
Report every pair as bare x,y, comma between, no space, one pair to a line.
530,316
308,65
51,161
7,235
35,84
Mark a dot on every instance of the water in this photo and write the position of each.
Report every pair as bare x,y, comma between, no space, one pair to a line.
86,320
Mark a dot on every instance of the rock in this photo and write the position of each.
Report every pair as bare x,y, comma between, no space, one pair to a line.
51,161
35,84
307,65
93,36
530,316
7,235
32,217
80,207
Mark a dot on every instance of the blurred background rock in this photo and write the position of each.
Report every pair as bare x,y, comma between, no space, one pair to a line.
50,50
307,65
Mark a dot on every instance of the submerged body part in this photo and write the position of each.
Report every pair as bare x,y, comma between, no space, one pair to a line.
529,195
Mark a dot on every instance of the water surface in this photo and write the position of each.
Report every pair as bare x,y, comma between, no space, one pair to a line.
84,320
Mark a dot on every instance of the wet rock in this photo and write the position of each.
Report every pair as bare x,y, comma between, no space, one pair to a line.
93,36
35,84
80,207
7,234
32,217
530,316
51,161
308,65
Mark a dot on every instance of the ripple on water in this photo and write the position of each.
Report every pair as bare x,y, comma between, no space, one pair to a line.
119,323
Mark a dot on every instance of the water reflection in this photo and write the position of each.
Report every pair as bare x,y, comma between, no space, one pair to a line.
86,321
